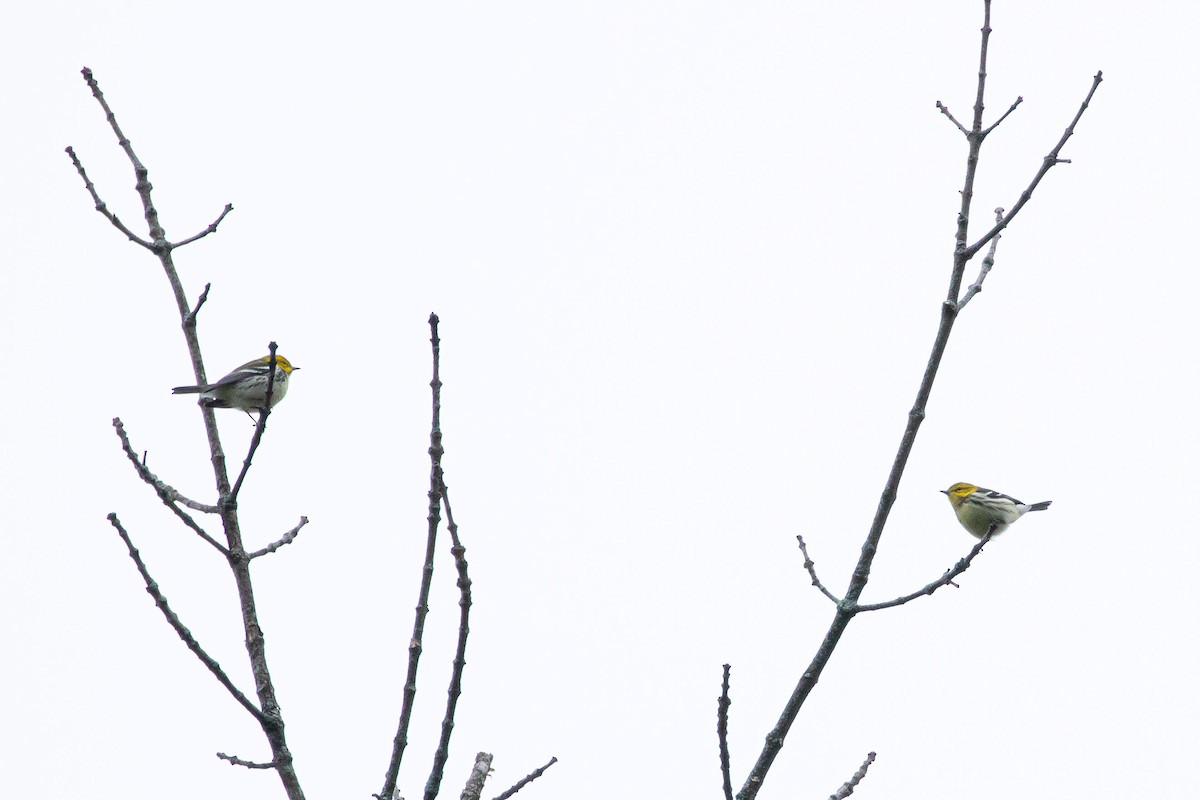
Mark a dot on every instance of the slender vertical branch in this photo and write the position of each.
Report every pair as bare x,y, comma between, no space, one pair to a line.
723,703
400,740
464,604
259,428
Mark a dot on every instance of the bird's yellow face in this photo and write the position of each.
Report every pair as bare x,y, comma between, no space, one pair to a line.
959,491
280,362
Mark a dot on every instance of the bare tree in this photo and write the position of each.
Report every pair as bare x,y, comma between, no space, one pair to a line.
848,607
265,707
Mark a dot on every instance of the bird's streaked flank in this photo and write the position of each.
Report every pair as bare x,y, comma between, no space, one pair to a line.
980,509
246,387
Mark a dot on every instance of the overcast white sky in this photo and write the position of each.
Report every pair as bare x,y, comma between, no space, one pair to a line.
688,258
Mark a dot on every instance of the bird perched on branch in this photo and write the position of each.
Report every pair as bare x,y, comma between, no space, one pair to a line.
246,386
980,510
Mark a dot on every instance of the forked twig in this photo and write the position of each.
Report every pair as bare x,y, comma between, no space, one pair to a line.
102,207
170,496
1051,159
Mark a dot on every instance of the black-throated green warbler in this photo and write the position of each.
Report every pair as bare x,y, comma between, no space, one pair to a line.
246,386
980,509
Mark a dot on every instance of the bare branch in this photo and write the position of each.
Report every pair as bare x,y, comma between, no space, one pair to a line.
102,207
946,580
287,538
210,229
191,317
237,762
1049,161
533,776
988,262
1011,109
848,787
848,608
723,703
812,571
464,586
985,35
259,429
174,621
168,494
400,741
479,774
269,718
158,236
172,494
950,117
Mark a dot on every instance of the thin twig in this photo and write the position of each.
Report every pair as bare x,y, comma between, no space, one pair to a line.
400,741
533,776
180,629
723,703
191,317
168,494
1003,116
1049,161
212,228
946,580
950,117
259,429
237,762
988,262
102,207
287,538
812,571
848,787
442,753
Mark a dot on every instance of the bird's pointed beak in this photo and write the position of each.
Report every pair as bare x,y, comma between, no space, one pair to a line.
944,491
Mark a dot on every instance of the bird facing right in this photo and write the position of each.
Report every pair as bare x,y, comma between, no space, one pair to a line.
246,386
